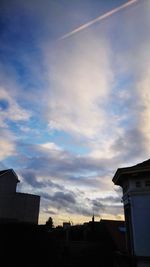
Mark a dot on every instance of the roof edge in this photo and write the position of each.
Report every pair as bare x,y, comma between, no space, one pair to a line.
129,170
9,170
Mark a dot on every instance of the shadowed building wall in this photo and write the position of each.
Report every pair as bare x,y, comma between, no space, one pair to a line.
18,207
135,182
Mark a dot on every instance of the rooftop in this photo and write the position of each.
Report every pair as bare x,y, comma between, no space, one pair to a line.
3,172
132,171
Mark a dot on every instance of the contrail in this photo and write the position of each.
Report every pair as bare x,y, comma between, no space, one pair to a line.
104,16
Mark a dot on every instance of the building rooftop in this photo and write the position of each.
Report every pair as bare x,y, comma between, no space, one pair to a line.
3,172
16,206
122,173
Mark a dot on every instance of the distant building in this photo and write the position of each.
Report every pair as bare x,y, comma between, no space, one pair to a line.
135,182
17,207
66,225
93,243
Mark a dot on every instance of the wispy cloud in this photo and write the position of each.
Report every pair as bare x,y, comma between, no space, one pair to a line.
10,109
7,148
79,87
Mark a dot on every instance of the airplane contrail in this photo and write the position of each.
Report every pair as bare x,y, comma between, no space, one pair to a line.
104,16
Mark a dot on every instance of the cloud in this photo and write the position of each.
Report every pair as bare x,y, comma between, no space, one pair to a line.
7,143
144,94
50,146
7,148
63,198
69,202
31,179
10,109
107,200
54,161
107,205
135,137
2,166
92,96
37,180
127,108
67,183
130,144
77,89
59,201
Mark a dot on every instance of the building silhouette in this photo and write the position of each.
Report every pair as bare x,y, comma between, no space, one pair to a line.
14,206
135,182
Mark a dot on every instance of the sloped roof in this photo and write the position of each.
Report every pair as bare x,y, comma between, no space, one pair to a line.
138,168
3,172
143,164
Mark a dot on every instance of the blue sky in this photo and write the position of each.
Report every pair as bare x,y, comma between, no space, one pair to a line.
74,109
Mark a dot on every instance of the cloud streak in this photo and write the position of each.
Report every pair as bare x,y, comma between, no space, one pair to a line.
104,16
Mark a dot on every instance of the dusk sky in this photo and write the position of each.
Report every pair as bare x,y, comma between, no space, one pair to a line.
74,100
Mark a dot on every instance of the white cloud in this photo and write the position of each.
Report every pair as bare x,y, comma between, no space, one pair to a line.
84,71
80,82
7,144
50,146
144,116
14,111
7,148
10,110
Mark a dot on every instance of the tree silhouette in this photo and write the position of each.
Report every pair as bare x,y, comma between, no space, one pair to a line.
49,223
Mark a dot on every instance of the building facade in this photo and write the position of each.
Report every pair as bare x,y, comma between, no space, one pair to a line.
14,206
135,182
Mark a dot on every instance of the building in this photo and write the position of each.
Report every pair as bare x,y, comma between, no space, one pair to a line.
14,206
135,182
92,243
66,225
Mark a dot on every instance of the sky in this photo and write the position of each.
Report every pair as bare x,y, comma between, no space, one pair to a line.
74,101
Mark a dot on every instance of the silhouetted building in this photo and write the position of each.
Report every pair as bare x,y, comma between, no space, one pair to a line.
66,225
135,182
16,207
115,231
